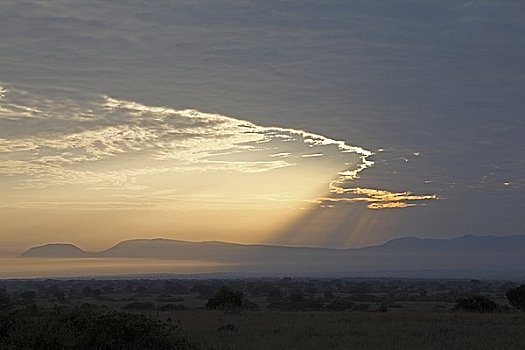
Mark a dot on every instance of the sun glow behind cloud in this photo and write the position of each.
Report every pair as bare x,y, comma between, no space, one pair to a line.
107,154
377,199
117,144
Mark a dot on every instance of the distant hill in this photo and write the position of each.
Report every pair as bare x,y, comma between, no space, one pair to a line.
463,256
56,250
210,250
468,242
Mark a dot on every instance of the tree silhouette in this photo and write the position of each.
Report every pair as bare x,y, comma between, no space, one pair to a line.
82,330
516,297
28,296
476,303
5,300
224,299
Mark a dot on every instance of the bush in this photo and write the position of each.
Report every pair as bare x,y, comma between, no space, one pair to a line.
224,299
28,296
340,305
301,305
139,306
249,305
39,330
172,307
382,308
476,303
169,299
5,300
274,295
516,297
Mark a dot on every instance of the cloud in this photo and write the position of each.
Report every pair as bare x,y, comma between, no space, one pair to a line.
378,199
107,142
111,144
312,155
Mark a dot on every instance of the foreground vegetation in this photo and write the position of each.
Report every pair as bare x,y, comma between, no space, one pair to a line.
34,329
261,314
355,330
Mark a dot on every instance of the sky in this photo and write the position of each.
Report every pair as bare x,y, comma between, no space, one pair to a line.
316,123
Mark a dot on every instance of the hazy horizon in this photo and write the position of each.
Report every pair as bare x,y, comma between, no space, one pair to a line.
467,256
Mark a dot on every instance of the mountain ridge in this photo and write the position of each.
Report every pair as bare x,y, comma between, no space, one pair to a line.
408,241
469,255
51,250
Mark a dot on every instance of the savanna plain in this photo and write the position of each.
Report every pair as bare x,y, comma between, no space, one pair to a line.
262,313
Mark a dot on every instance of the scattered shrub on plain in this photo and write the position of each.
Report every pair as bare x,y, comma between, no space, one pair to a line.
224,299
516,297
476,303
32,329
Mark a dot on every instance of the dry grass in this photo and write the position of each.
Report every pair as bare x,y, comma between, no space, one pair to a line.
353,330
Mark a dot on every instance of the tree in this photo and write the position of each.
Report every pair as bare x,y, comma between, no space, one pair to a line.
60,296
476,303
225,299
28,296
87,291
274,295
5,301
204,290
82,330
296,297
516,297
137,305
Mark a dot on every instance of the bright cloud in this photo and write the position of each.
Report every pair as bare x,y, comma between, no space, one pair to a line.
378,199
122,146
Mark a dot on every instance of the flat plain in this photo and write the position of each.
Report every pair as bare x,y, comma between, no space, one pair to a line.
292,313
353,330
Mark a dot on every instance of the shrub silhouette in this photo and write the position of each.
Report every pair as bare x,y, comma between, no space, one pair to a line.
172,307
5,300
297,302
42,330
476,303
137,305
274,295
516,297
28,296
204,290
228,329
340,305
296,297
225,299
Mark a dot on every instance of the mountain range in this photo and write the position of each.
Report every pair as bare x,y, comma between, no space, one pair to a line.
465,256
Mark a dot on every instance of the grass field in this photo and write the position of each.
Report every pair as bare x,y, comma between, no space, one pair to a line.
281,313
352,330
